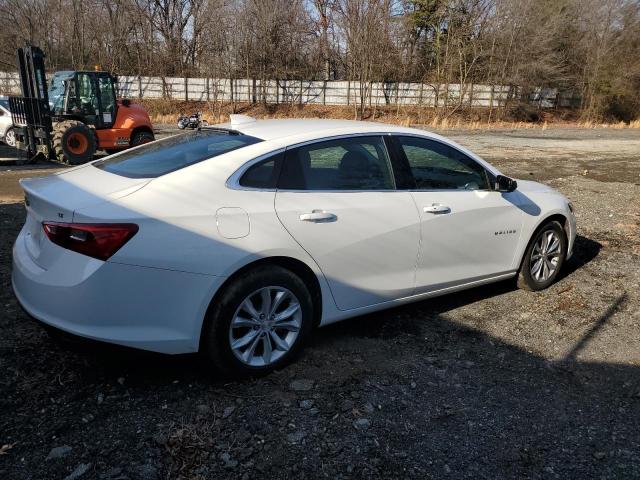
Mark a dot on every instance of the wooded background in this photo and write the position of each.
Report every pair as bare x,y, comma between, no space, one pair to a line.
586,51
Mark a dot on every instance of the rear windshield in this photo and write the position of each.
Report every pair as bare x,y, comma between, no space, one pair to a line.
173,153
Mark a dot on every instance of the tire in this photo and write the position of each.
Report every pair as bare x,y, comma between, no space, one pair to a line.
10,137
141,137
74,143
182,124
537,263
218,333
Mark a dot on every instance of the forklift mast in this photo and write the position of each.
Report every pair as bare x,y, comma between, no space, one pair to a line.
30,112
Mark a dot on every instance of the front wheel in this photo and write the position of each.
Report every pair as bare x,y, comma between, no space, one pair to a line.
543,258
74,143
259,324
10,137
140,138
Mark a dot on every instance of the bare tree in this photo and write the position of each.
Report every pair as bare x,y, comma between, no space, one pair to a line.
590,47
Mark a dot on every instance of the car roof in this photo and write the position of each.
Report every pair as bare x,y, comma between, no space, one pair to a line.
309,128
283,133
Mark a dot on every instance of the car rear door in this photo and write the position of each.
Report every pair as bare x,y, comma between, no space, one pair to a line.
468,231
338,200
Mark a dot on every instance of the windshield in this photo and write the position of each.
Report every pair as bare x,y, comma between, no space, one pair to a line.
167,155
56,89
4,103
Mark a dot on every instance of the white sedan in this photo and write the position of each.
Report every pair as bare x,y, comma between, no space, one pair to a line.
237,240
7,133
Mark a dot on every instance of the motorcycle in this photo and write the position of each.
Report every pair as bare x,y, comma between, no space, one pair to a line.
192,121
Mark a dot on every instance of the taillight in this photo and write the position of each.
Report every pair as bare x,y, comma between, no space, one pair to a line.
97,240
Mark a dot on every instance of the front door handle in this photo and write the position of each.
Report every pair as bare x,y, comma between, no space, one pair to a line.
436,208
318,216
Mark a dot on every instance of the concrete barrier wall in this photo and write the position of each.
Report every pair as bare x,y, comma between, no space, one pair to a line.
320,92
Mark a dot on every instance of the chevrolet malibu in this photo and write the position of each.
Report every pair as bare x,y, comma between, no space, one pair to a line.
237,240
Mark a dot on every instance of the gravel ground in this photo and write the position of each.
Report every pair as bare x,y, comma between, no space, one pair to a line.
493,382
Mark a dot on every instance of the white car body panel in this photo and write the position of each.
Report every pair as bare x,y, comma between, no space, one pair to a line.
478,237
368,255
5,121
197,228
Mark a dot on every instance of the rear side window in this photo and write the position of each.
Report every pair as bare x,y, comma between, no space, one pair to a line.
263,174
173,153
356,163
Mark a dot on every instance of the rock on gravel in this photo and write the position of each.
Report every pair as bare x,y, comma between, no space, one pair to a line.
228,461
301,385
79,471
296,437
305,404
59,452
227,412
362,424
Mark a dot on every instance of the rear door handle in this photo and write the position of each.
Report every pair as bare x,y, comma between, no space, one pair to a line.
437,208
318,216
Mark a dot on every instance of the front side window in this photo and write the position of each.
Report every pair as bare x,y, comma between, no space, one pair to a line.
356,163
173,153
437,166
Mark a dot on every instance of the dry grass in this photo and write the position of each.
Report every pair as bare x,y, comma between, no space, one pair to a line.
164,111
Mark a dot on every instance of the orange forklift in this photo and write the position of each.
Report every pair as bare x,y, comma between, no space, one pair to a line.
74,115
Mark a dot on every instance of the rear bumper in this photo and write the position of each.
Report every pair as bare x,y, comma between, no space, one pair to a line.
146,308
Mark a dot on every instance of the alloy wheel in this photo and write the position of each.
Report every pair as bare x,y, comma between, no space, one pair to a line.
545,256
10,138
265,326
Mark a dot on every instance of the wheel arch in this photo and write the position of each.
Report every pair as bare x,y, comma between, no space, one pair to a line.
141,128
560,218
557,216
294,265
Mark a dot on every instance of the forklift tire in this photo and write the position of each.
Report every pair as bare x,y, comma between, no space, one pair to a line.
141,137
73,142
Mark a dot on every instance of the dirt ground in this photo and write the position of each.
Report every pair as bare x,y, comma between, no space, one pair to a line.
493,382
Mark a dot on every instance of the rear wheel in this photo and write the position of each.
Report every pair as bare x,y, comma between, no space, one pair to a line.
259,324
10,137
74,143
543,258
139,138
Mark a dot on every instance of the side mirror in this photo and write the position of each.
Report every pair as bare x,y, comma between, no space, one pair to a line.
505,184
126,102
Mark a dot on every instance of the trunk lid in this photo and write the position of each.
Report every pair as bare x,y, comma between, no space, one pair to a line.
56,198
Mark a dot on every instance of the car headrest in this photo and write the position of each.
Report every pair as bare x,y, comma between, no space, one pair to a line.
354,164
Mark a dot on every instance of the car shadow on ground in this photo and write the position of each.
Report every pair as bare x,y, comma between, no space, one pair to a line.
410,319
412,315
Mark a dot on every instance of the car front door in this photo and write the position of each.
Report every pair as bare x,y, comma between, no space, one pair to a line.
468,231
337,198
